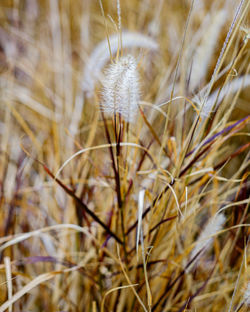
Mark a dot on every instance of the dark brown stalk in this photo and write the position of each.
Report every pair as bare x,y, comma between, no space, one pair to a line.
171,284
158,197
82,204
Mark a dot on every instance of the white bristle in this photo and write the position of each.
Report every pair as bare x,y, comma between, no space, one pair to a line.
119,15
121,93
218,95
205,240
100,56
204,52
140,212
247,295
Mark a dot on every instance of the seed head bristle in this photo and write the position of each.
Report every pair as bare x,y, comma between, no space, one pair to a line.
247,295
120,94
205,240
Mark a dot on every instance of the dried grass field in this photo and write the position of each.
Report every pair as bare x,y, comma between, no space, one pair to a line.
124,155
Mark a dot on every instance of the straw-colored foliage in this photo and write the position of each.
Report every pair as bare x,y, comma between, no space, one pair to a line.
124,155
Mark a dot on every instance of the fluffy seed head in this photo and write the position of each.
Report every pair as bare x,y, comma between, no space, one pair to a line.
205,240
100,55
121,89
247,295
204,52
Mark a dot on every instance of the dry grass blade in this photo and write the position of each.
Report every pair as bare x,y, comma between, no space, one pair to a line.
21,237
34,283
112,290
9,279
128,280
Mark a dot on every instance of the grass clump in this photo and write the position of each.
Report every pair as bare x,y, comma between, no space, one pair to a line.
124,164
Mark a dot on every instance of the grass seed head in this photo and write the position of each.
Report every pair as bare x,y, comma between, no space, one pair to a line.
121,91
247,295
205,239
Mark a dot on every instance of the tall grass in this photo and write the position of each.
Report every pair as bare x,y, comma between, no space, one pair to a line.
103,212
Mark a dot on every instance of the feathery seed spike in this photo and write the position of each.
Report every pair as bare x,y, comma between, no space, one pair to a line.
121,92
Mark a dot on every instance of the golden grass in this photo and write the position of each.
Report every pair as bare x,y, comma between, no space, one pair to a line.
74,183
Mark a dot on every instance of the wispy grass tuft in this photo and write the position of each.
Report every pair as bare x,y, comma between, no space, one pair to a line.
247,295
121,89
205,239
100,55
